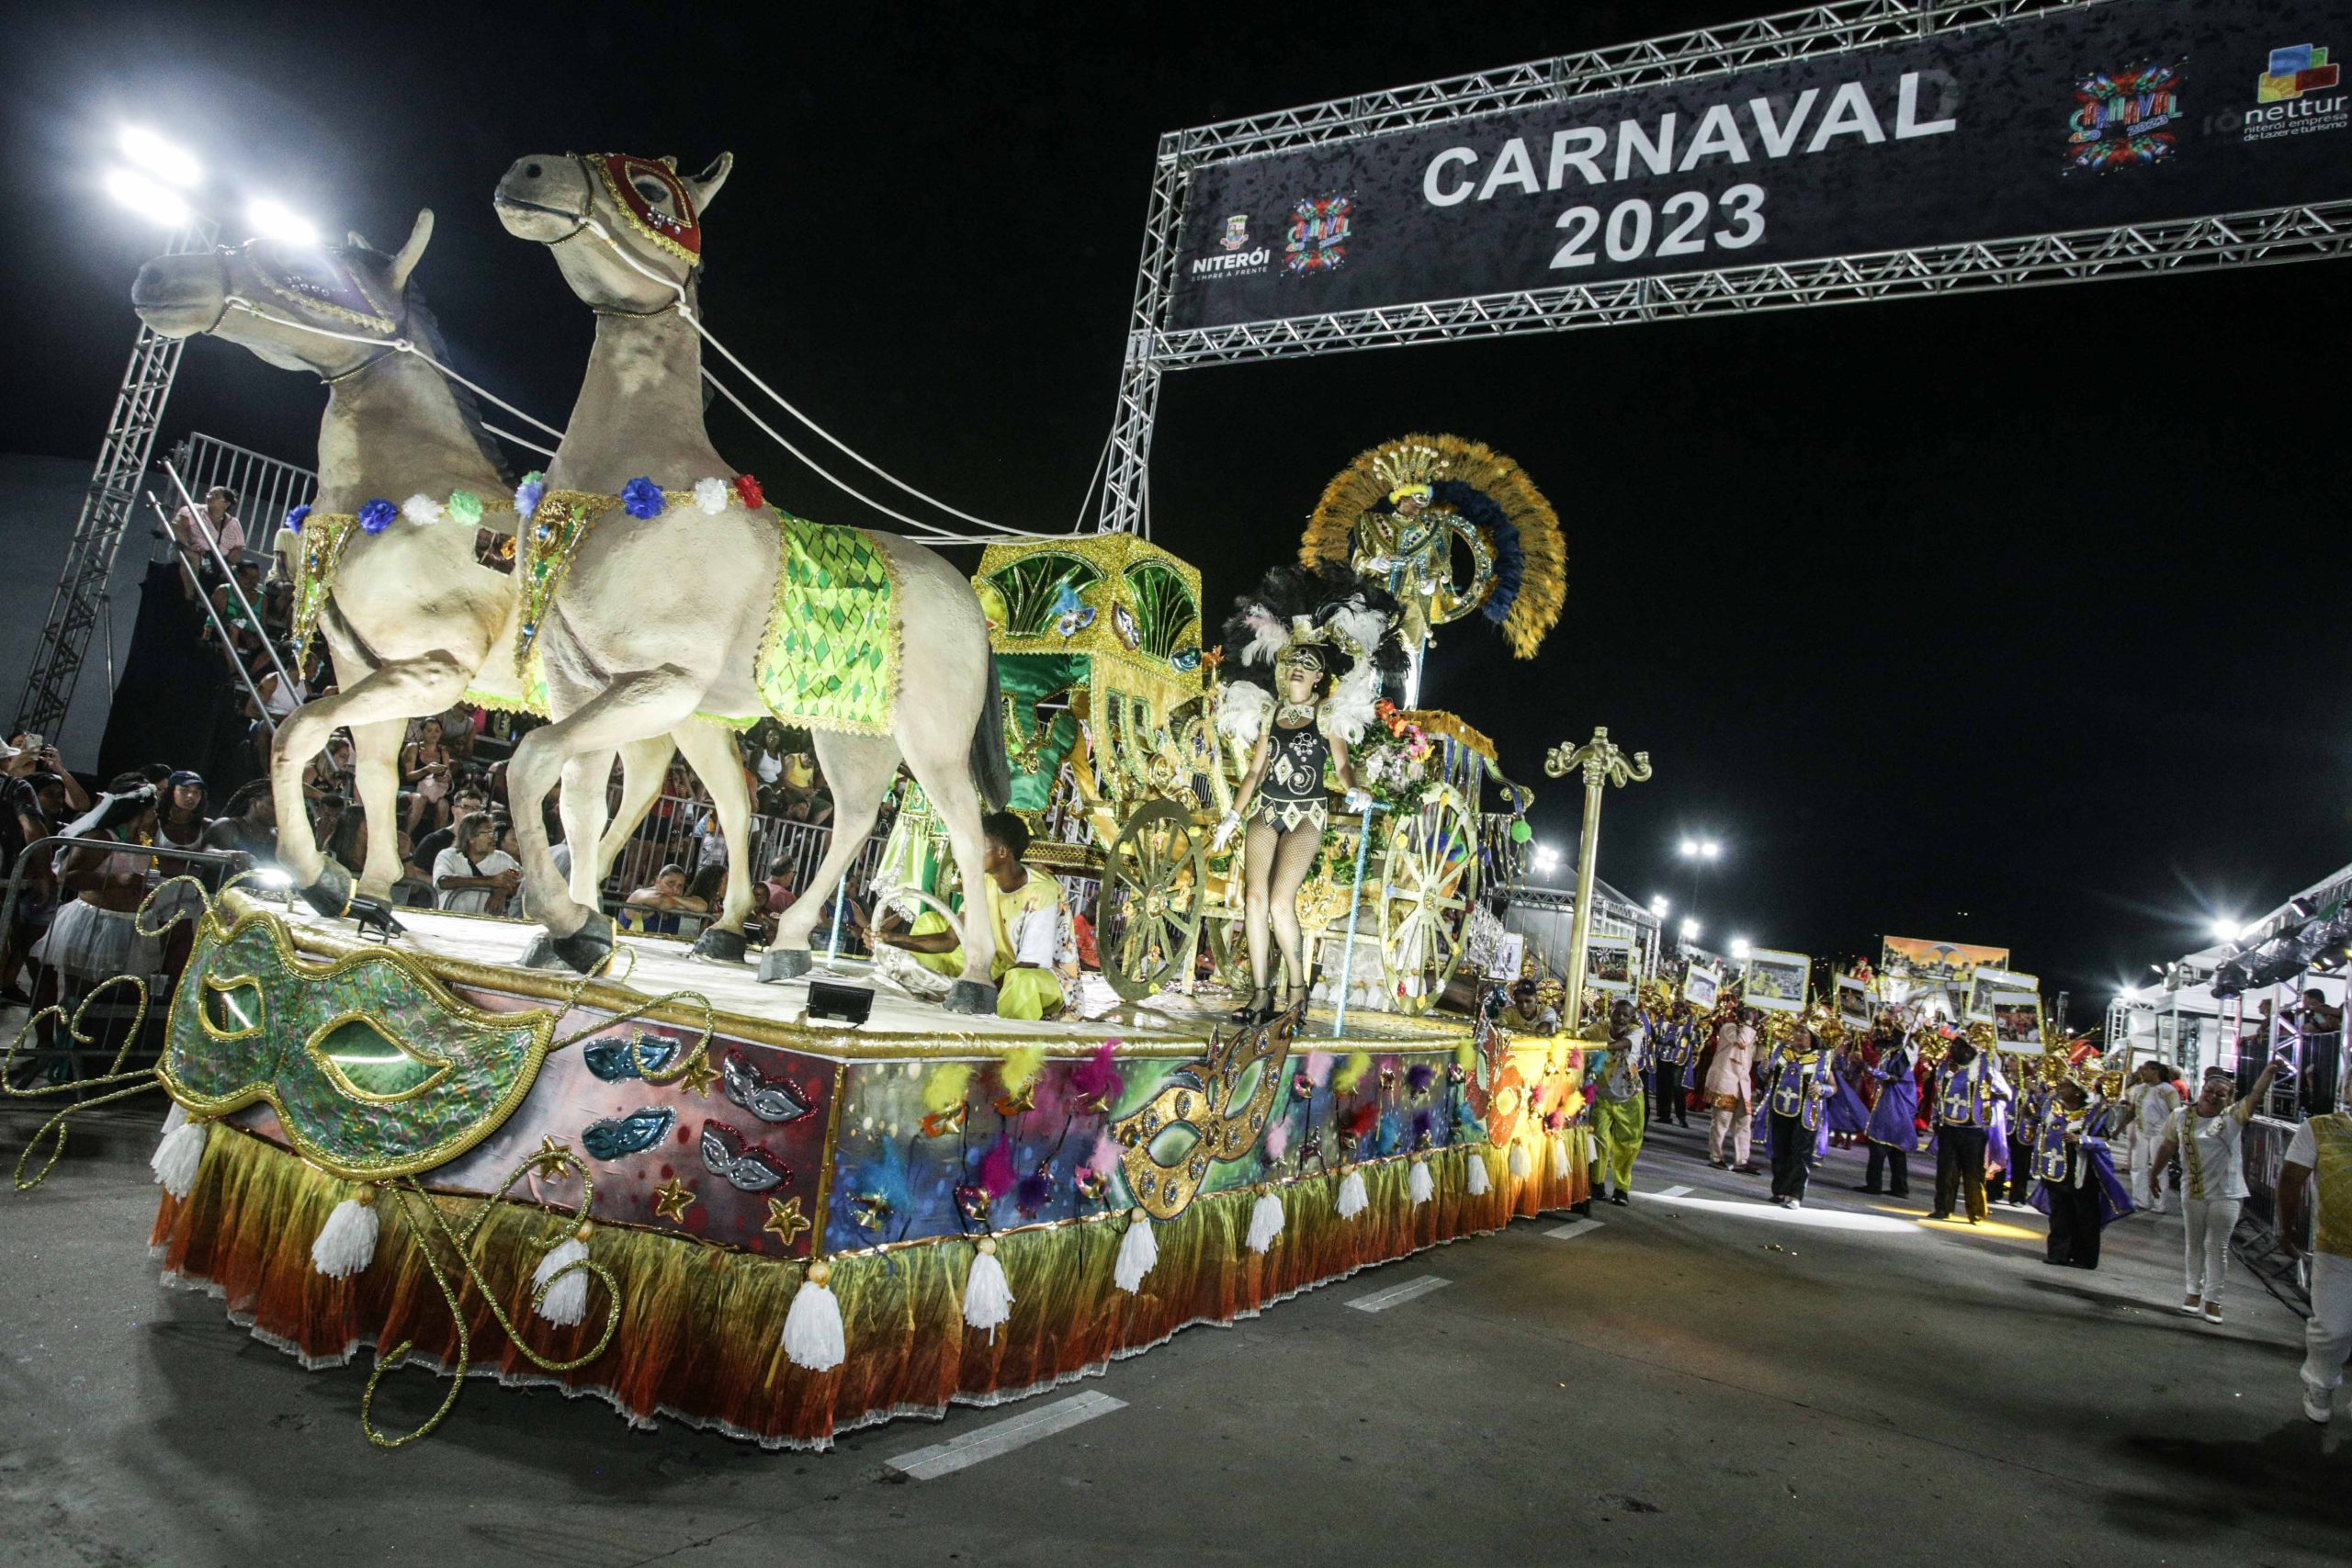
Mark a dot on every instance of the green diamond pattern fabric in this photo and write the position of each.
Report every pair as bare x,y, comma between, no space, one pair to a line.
829,659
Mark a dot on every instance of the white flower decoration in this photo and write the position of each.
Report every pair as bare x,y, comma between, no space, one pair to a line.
421,508
711,495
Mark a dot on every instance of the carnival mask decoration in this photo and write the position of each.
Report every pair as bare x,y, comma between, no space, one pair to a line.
374,1069
769,1097
746,1166
1199,1099
320,282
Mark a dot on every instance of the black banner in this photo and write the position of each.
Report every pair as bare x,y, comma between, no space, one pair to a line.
2133,112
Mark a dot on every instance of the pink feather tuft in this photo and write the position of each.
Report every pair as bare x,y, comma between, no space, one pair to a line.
997,1175
1318,1067
1098,1078
1106,1157
1278,1138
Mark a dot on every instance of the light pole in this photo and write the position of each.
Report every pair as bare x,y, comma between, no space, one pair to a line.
1700,853
1602,761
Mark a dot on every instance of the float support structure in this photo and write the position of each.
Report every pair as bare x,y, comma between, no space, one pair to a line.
1603,762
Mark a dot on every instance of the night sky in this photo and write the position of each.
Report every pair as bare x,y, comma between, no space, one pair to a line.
2003,619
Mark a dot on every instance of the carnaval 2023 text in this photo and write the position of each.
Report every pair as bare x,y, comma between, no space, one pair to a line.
1725,135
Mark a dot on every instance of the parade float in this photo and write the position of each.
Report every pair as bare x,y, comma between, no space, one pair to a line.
685,1189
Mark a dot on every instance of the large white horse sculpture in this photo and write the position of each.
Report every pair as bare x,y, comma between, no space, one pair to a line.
411,616
667,604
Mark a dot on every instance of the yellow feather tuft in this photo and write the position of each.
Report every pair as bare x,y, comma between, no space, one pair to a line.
1350,1072
944,1086
1021,1065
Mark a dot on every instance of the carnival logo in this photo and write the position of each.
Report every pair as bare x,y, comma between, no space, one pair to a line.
2122,118
2294,70
1234,257
1318,234
2292,99
1237,232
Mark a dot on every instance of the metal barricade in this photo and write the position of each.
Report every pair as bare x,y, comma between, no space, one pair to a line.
681,830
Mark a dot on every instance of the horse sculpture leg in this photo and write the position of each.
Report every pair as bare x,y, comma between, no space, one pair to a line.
645,767
651,702
944,769
587,781
710,749
859,769
392,693
375,771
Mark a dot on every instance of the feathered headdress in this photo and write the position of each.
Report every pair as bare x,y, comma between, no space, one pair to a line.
1485,490
1349,622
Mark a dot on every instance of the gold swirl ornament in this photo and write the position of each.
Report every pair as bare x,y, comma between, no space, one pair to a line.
1198,1097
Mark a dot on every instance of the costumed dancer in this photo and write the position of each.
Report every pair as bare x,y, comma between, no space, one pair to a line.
2319,1157
94,933
2208,1135
1301,624
1848,1113
1672,1048
1894,1129
2078,1187
2025,1136
2149,1105
1730,1088
1026,908
1968,1086
1620,1117
1803,1080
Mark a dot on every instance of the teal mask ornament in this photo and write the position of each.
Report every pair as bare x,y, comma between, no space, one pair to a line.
375,1069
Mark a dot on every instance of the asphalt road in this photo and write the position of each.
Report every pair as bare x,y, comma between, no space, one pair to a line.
1694,1379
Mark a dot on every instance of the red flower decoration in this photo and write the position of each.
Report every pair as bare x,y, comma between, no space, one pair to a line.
747,490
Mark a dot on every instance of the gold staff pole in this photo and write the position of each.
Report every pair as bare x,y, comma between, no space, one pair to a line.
1603,763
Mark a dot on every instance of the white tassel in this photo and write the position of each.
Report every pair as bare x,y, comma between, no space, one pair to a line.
1265,1222
1418,1187
568,1303
1559,1156
812,1329
1521,1167
1477,1185
1138,1252
178,1156
175,1121
346,1243
1353,1200
987,1295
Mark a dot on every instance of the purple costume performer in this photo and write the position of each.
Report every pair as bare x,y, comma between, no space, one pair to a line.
1893,1128
2077,1187
1847,1114
1802,1082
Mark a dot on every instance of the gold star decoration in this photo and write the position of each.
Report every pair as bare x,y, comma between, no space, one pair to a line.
553,1158
784,1221
699,1075
672,1198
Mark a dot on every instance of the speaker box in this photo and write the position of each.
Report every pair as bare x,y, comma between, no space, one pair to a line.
831,998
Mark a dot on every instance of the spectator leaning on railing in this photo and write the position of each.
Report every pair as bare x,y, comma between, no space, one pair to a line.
195,528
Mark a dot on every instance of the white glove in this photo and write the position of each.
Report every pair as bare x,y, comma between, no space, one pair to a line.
1358,802
1225,829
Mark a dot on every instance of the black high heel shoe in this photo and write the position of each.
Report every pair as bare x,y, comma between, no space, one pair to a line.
1253,1012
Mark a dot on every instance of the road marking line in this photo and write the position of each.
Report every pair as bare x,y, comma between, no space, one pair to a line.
1670,1192
1381,1300
1572,1230
1003,1437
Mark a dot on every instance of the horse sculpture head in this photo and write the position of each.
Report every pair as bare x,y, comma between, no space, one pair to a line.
325,309
627,231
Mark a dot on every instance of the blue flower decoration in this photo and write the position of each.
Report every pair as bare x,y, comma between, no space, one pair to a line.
295,516
528,493
377,515
642,497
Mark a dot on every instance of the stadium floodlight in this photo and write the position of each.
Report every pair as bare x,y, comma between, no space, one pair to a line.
147,198
167,161
275,220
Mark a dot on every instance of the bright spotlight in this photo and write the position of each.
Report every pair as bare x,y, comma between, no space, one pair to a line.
271,877
1689,846
1547,858
1739,947
147,198
1710,850
275,220
2128,994
1689,930
173,165
2225,930
1659,905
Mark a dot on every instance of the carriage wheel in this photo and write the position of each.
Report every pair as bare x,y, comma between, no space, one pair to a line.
1429,875
1148,916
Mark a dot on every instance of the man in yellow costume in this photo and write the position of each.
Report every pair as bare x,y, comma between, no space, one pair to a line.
1026,908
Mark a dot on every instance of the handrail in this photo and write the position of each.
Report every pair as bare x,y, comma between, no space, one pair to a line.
228,575
17,872
228,643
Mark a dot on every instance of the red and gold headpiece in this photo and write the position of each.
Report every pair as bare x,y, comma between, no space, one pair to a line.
679,233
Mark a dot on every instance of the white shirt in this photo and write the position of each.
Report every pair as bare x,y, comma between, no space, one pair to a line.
2219,1164
2152,1105
452,862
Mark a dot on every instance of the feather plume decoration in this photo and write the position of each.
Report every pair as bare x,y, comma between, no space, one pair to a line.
1019,1068
1419,1076
997,1173
1097,1080
1362,1119
944,1085
1242,708
1352,1072
1268,635
1104,1157
1485,489
1277,1138
1318,1067
1353,701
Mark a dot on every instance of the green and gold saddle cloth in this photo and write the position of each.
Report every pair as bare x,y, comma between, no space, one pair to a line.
829,658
